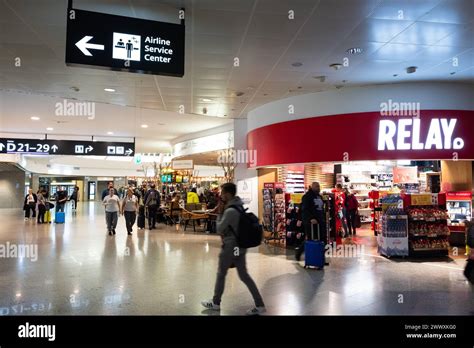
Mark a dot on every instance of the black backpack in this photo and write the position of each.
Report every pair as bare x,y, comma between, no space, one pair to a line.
250,231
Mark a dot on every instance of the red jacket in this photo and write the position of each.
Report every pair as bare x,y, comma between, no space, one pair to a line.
351,202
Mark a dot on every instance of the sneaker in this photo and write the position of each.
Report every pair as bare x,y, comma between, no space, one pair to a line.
26,219
113,231
256,311
110,233
129,233
209,304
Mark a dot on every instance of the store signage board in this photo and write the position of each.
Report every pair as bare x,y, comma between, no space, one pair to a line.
459,196
182,164
405,175
123,43
404,134
66,147
421,199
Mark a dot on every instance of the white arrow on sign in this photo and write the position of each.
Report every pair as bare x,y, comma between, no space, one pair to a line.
89,149
83,45
54,148
129,152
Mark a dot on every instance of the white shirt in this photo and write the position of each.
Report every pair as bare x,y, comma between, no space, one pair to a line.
130,203
112,203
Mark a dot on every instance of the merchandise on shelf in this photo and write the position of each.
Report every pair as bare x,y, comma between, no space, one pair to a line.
429,214
427,244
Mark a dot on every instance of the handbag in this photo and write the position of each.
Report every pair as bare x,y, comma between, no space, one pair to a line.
358,222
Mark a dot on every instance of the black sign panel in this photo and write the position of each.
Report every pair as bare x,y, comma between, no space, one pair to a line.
124,43
66,147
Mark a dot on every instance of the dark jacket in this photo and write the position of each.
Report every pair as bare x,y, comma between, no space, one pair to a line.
470,237
310,208
149,196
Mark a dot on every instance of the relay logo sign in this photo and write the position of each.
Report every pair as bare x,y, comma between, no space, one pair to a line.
406,134
124,43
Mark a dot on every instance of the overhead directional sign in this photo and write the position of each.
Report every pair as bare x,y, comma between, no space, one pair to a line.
66,147
124,43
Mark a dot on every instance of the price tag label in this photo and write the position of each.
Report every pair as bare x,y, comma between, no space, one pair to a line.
421,199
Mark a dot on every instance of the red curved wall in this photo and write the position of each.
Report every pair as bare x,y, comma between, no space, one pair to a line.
329,138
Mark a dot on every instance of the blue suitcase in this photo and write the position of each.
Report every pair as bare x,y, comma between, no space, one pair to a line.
314,252
60,217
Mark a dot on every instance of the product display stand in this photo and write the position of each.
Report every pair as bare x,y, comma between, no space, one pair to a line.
294,223
427,224
274,214
393,239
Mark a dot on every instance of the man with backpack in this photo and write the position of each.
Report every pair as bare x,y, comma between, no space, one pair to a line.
231,213
152,202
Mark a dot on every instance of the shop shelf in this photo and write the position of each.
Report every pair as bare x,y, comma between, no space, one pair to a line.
429,249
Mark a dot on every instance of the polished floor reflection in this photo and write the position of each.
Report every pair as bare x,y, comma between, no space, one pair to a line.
81,270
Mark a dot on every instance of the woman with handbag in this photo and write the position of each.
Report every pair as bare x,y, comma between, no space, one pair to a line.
352,207
29,204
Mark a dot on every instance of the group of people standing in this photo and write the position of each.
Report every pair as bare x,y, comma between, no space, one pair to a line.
38,205
135,202
313,214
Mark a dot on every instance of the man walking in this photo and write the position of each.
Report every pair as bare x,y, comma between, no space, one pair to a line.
231,255
152,202
313,214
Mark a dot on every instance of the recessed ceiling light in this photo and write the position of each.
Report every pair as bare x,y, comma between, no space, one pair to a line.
144,126
109,89
395,75
336,66
452,73
206,100
320,78
354,50
411,69
297,64
110,133
49,128
35,118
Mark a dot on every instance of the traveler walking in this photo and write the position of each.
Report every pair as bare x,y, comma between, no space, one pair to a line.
41,206
152,202
29,204
231,255
75,197
112,209
312,213
105,192
130,209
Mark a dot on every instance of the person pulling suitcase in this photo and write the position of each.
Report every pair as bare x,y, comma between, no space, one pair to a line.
312,214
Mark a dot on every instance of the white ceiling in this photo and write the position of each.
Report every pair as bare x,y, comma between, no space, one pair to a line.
429,35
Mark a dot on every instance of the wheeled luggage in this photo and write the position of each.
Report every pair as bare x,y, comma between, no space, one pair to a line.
141,217
314,251
60,217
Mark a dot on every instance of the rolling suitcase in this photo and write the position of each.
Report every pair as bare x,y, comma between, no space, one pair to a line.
141,217
314,251
60,217
47,216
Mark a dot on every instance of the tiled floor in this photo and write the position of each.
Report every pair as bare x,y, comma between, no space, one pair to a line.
82,270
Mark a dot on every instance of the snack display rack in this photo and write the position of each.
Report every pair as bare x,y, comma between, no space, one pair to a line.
428,230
